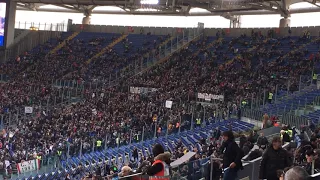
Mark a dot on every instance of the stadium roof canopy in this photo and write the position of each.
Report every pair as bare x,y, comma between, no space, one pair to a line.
225,8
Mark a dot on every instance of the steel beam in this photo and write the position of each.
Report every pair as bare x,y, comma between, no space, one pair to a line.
214,13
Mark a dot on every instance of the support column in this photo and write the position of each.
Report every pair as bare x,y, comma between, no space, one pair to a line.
10,21
86,20
285,22
235,22
69,28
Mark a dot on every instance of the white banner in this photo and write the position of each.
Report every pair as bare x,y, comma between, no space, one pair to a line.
168,104
209,97
183,159
28,110
94,112
142,90
27,166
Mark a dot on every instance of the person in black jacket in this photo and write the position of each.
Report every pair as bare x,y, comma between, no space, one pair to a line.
216,133
274,158
310,157
135,154
262,142
232,156
285,137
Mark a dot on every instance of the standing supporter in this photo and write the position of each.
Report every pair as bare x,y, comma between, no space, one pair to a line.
160,166
232,156
135,155
262,141
253,137
265,120
216,133
310,157
270,97
273,159
284,136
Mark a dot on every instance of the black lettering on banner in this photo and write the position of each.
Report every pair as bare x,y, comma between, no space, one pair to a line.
27,166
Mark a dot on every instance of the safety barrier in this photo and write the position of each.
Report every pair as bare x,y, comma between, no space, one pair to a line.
144,177
292,120
188,171
285,118
252,114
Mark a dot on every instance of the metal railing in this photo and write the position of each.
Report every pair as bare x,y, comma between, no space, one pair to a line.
61,27
137,66
285,105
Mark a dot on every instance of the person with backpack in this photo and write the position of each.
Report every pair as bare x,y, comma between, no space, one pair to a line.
232,156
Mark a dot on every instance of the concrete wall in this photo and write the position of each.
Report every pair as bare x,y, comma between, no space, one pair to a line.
125,29
296,31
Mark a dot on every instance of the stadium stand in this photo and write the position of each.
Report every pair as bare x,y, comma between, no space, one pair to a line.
72,112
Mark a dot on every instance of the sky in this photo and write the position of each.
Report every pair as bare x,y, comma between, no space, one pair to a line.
247,21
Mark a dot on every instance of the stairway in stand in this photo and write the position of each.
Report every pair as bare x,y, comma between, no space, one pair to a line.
209,46
61,45
167,55
166,41
107,47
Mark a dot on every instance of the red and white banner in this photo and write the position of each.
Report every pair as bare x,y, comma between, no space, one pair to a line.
27,166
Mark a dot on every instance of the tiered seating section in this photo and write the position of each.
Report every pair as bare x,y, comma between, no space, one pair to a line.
237,68
122,155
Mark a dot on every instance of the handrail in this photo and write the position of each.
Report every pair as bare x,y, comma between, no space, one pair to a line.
316,175
132,175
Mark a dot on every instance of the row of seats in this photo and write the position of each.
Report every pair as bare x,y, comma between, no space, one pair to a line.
122,155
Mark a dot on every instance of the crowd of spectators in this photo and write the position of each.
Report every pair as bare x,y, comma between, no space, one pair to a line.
41,134
115,114
280,160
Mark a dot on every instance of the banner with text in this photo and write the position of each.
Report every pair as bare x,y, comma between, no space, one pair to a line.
209,97
142,90
27,166
28,110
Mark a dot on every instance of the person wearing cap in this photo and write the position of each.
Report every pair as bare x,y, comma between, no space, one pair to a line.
232,156
160,166
274,158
